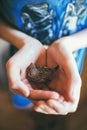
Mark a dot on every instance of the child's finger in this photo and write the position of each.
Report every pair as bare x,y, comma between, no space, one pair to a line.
43,95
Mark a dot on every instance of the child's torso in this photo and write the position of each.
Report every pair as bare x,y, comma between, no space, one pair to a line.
46,20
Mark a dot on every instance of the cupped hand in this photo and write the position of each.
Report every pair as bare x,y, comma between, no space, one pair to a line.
32,52
66,81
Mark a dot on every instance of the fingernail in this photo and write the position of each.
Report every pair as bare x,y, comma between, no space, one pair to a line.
55,95
38,109
27,93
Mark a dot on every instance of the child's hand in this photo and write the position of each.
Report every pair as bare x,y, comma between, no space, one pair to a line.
66,82
16,69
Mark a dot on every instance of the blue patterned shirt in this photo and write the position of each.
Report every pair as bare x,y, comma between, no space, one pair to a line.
46,20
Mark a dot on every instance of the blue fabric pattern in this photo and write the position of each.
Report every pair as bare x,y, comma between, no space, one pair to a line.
53,19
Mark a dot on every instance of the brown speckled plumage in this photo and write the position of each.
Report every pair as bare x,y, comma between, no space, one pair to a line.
40,74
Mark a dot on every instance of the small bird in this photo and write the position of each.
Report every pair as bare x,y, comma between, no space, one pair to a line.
40,74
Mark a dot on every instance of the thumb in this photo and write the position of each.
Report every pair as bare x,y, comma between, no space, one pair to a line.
15,83
74,89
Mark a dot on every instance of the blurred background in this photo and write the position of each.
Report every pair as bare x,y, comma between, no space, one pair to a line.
13,118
